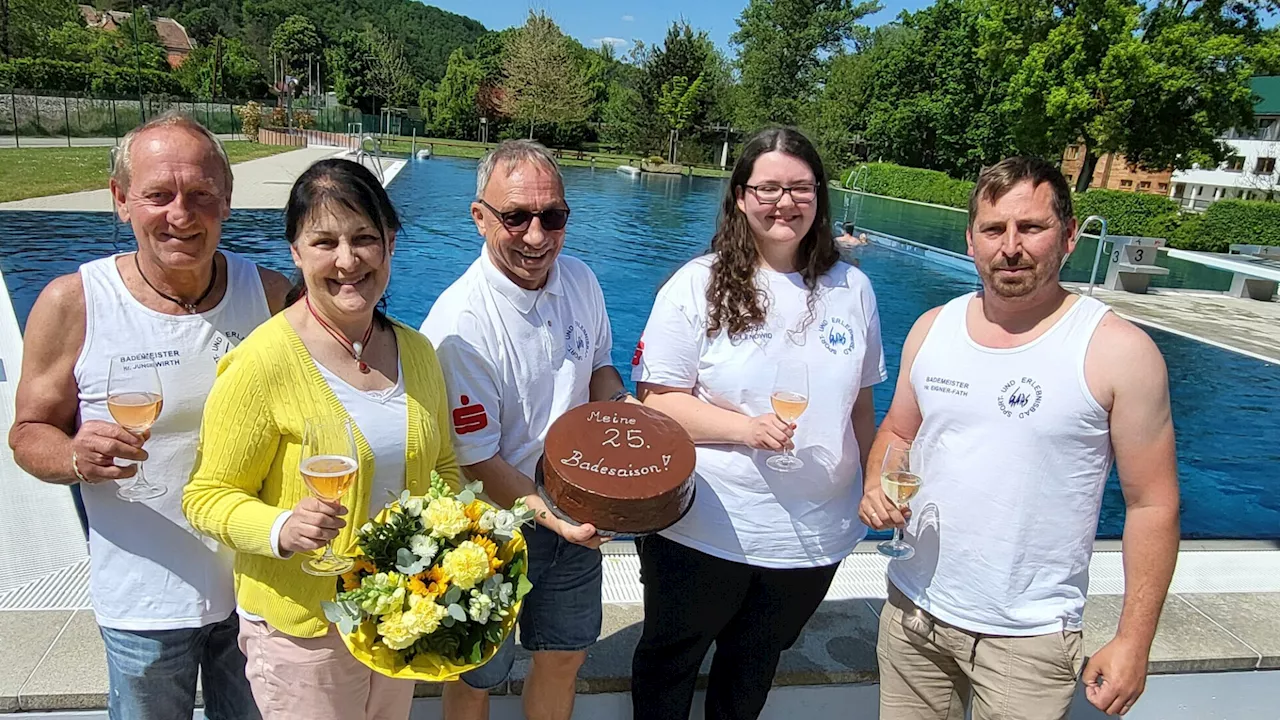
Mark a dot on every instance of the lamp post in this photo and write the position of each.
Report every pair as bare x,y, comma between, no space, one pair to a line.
137,57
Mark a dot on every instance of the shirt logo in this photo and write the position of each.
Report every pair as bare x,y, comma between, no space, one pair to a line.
469,418
577,343
223,341
635,359
1021,397
836,336
947,386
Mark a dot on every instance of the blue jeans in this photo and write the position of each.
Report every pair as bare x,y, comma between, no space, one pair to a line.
153,673
561,612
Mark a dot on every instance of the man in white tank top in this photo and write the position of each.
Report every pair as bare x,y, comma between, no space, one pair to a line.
162,593
1017,399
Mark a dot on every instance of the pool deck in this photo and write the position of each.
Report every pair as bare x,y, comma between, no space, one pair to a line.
261,184
1248,327
1223,614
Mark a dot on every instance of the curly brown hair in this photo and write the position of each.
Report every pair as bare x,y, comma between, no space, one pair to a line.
735,302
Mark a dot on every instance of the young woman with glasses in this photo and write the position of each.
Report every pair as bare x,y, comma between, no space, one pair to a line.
735,340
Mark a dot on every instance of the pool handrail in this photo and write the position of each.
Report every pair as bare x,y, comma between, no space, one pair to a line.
361,154
1097,256
115,221
859,174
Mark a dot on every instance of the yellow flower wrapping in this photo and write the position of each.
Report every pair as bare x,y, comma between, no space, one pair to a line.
429,667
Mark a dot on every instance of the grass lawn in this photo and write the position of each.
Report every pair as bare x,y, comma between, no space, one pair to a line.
36,172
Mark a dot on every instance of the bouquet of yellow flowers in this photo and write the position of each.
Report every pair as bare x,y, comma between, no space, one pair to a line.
436,586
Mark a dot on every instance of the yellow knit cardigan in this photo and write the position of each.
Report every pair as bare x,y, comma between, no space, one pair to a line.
246,471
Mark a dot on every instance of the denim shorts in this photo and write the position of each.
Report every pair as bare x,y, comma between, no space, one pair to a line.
563,610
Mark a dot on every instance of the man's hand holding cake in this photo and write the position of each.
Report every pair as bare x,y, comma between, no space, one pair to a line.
523,337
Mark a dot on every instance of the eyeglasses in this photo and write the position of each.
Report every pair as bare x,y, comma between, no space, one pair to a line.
552,219
770,194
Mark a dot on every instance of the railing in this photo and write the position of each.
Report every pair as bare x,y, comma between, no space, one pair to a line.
115,221
858,175
376,156
1097,256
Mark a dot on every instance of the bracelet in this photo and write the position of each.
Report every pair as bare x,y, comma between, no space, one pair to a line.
620,395
75,468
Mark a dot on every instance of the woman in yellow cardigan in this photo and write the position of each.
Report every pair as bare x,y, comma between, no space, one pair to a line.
330,353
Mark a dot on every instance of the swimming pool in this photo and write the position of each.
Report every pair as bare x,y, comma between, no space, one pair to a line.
635,232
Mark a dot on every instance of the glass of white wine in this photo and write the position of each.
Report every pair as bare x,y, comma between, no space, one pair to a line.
790,399
134,399
900,482
328,467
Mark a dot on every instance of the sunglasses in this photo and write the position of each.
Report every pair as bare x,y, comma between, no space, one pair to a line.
552,219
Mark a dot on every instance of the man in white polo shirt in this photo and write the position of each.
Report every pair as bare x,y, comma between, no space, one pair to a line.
523,336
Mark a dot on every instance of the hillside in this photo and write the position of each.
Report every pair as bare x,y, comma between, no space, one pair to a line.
428,33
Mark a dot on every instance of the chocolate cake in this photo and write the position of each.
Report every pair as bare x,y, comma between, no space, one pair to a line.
622,467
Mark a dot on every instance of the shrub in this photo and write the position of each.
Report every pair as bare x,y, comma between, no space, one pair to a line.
278,117
1129,213
1234,221
304,119
656,160
929,186
62,75
250,119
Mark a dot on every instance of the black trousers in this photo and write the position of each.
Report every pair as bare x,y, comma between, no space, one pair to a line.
692,599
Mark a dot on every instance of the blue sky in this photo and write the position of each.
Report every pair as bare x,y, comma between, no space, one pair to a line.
620,21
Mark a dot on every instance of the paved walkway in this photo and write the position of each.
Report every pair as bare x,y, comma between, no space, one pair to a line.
1244,326
260,184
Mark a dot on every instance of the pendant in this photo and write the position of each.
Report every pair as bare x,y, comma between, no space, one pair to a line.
357,349
364,367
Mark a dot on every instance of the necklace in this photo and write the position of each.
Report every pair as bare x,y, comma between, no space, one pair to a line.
188,306
355,348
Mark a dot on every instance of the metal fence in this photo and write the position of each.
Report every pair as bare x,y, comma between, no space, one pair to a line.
44,114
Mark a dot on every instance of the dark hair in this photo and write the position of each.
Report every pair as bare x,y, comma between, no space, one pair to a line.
847,228
995,181
734,302
355,187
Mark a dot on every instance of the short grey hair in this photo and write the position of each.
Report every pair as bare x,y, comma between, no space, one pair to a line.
511,153
123,170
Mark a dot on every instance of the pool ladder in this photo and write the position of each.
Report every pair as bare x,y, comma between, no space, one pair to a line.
115,221
858,175
1097,256
375,156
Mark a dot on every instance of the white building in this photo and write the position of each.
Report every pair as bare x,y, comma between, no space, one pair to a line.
1249,174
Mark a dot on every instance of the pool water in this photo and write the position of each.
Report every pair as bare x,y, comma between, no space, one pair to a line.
635,232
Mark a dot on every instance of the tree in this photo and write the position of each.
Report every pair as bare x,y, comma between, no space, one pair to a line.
541,80
295,40
238,73
454,103
620,127
1088,74
369,71
24,25
781,44
676,105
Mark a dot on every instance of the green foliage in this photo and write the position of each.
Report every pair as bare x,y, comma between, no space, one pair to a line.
239,74
29,22
781,47
295,39
1129,213
621,128
677,101
250,119
929,186
454,109
542,81
1234,221
96,78
369,71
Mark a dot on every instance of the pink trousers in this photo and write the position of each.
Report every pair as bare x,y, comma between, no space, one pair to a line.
316,678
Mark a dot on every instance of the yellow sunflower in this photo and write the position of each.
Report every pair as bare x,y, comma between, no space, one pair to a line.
475,510
491,550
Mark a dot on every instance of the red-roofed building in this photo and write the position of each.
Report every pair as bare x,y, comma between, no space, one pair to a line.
177,44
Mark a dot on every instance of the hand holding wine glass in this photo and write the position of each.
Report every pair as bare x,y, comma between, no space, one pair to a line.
329,467
135,399
900,482
790,399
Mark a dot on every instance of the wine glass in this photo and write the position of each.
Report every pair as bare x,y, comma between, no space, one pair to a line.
328,467
134,399
900,482
790,398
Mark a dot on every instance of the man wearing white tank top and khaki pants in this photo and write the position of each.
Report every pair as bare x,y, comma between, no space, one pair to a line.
161,592
1018,398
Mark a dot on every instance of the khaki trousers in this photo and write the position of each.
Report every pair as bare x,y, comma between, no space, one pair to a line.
935,676
316,679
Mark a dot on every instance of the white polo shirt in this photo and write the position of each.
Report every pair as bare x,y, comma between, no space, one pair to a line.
514,360
744,511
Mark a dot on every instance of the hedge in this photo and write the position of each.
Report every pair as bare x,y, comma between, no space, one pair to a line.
1129,213
929,186
97,78
1253,222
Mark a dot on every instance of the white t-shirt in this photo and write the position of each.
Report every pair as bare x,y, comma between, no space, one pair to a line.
514,360
383,419
744,511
